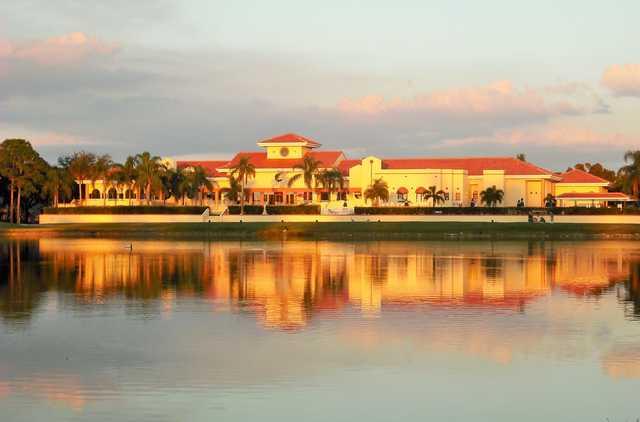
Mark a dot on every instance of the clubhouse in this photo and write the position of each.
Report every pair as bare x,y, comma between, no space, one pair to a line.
461,179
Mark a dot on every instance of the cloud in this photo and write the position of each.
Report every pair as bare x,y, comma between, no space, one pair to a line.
499,99
552,135
623,79
61,50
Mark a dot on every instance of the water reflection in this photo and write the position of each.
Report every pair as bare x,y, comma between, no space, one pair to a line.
90,327
288,284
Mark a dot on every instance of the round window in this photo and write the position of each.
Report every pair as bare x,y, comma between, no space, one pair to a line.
284,151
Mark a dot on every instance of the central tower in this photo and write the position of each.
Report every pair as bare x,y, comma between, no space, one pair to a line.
288,145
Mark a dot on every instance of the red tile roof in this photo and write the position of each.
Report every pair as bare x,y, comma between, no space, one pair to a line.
290,137
210,166
259,159
473,165
579,176
613,196
345,165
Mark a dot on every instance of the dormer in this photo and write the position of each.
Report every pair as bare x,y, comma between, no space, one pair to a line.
288,145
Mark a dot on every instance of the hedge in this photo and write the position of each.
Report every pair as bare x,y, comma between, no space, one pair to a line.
135,209
276,209
492,211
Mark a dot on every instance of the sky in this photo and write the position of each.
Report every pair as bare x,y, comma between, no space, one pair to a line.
558,81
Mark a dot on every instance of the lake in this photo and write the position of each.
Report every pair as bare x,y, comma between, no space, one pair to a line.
102,330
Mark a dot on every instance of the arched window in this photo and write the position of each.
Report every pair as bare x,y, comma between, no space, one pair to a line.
95,194
112,194
129,194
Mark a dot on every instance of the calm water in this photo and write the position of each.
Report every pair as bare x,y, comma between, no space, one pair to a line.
319,331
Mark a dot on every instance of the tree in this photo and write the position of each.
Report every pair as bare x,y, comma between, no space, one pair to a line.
331,180
80,166
521,156
129,175
101,170
200,182
492,196
598,170
309,169
243,171
24,168
57,182
148,170
436,196
234,189
379,190
630,173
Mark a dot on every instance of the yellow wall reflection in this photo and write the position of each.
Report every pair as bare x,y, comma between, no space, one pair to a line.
285,284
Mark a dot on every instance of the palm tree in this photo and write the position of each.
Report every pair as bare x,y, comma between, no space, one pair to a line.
149,169
129,175
377,191
243,171
200,182
309,168
492,196
80,166
630,173
521,156
436,196
331,180
234,190
57,182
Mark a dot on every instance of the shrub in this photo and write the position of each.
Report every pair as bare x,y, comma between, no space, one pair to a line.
136,209
492,211
276,209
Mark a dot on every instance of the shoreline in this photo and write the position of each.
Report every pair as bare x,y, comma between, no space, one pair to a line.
329,231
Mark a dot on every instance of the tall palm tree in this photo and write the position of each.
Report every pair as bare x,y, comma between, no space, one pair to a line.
436,196
129,175
309,169
630,173
379,190
101,171
57,182
492,196
243,171
149,169
200,182
80,166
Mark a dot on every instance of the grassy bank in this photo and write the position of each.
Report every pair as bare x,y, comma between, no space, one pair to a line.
332,230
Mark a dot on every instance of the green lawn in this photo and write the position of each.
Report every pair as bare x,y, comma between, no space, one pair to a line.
329,230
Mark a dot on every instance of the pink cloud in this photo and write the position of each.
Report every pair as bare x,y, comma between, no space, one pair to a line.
497,99
623,79
64,49
553,135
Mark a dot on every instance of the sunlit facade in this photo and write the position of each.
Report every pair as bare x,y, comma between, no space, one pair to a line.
461,180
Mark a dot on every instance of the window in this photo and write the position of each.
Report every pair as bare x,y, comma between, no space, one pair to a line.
342,196
95,194
284,151
278,197
402,197
324,196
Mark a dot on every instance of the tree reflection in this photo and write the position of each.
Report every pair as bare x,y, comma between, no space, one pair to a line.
287,284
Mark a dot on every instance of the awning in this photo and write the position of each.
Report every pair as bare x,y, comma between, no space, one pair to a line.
421,190
594,196
402,190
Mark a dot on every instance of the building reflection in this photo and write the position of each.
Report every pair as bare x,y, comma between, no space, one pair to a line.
287,284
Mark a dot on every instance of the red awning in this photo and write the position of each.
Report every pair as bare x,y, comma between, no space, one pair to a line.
421,190
402,190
